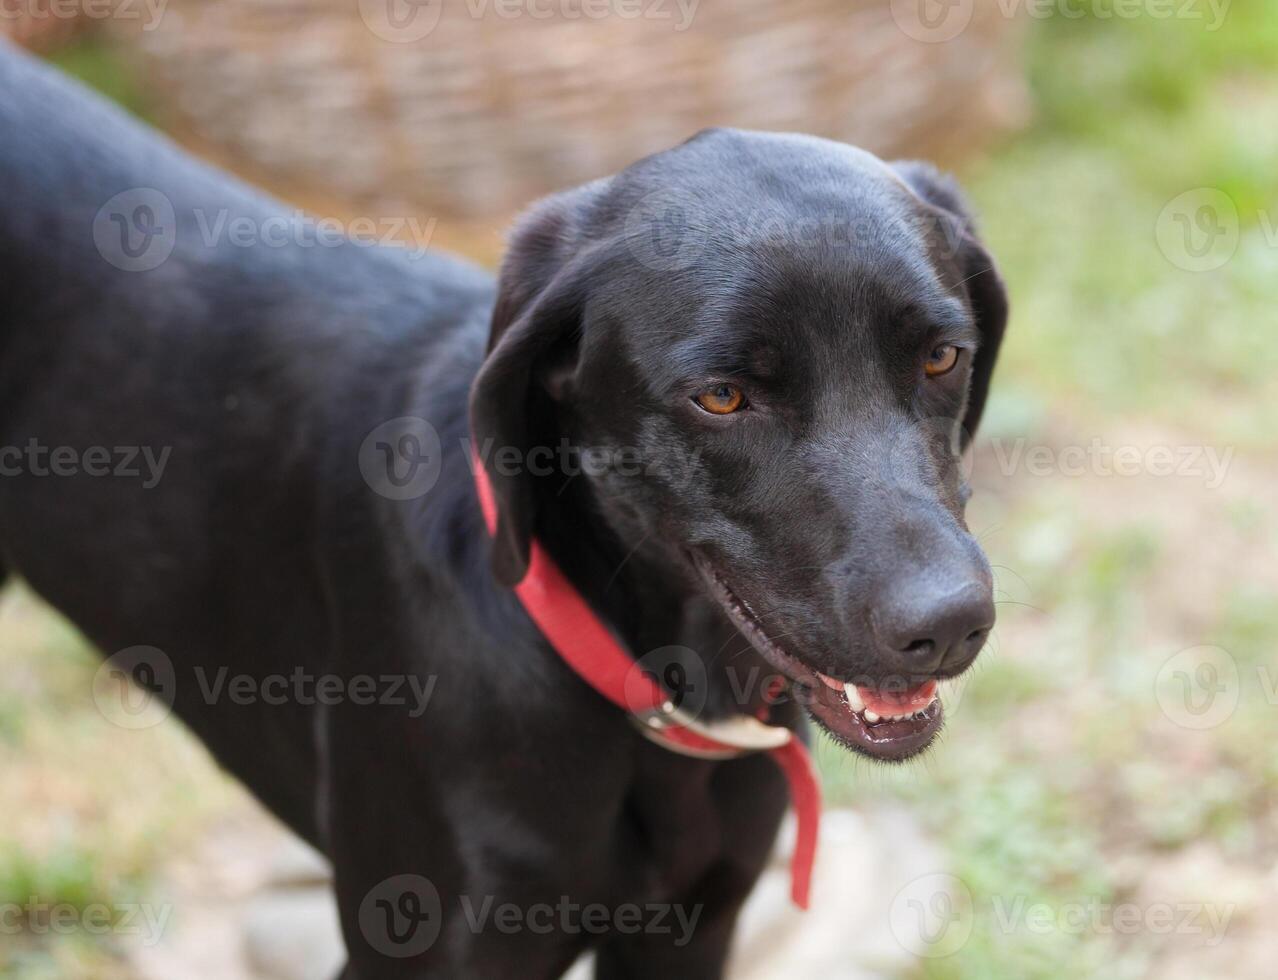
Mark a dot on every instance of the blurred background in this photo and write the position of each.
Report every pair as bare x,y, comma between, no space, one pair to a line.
1105,801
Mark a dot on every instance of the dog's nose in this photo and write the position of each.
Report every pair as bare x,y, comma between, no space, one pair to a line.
923,630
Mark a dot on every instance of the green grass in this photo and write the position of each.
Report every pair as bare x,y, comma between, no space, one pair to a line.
1128,116
100,65
68,875
91,811
1248,625
51,894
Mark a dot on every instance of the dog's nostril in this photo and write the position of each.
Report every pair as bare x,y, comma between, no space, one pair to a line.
925,632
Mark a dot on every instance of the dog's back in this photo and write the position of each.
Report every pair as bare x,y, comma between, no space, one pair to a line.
172,396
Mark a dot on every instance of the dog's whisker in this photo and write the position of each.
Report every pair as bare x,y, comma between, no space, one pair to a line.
993,528
1011,571
1017,602
630,554
564,486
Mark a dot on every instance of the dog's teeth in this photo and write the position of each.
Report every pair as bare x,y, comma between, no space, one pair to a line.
854,697
871,717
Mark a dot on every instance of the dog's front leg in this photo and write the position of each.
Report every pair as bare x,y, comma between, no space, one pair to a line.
390,848
698,956
689,939
691,936
410,905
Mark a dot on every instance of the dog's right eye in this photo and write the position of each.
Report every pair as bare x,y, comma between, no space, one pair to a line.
722,399
941,361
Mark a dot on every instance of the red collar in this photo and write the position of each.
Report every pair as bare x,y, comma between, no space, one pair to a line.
594,654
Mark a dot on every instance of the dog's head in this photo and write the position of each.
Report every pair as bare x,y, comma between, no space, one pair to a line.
776,347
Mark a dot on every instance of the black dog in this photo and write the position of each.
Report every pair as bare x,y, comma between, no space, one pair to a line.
724,390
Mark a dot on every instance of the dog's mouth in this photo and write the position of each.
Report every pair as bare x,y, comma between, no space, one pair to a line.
887,720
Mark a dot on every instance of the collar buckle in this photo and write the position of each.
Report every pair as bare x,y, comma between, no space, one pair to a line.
731,737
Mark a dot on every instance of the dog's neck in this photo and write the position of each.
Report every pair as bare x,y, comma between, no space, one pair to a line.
652,603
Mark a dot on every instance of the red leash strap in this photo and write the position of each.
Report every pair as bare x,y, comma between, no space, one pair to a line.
805,796
576,633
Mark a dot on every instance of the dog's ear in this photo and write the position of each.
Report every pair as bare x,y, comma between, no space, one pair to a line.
535,330
974,267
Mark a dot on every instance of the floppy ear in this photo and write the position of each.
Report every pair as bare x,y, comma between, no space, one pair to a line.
986,294
537,319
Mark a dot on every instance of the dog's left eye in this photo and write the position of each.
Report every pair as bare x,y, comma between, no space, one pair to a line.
941,361
722,399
